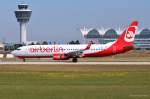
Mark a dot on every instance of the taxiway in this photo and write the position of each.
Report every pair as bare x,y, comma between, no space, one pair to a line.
78,63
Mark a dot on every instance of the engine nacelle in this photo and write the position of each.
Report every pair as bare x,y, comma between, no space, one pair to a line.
60,57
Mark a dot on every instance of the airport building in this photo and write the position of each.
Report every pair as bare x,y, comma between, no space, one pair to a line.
103,36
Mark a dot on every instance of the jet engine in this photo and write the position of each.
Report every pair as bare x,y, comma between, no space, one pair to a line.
60,57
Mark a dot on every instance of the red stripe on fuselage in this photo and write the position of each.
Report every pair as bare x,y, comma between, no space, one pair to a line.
110,51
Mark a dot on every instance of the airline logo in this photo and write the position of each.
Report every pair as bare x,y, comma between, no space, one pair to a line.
47,49
129,36
130,33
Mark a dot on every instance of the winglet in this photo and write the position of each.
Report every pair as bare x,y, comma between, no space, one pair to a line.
89,45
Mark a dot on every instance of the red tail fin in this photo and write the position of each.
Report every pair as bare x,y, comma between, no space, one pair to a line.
127,37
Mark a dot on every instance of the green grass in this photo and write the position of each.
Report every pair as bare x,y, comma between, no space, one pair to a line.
74,85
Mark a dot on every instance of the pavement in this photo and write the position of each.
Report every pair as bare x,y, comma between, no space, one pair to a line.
78,63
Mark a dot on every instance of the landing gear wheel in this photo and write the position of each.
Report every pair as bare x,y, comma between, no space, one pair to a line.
24,60
74,60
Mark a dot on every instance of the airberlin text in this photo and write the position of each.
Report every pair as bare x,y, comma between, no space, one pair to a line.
46,49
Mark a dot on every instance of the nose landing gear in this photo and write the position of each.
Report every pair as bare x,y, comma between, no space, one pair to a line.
75,60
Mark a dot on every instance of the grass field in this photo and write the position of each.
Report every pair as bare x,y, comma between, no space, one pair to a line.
70,82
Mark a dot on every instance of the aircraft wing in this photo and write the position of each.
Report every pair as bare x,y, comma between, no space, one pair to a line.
79,52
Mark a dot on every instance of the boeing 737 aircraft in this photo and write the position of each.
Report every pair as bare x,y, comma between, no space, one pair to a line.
64,52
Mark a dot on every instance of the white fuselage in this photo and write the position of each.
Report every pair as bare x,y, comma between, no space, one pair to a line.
49,50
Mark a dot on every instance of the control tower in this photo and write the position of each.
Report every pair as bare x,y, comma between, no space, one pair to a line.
23,14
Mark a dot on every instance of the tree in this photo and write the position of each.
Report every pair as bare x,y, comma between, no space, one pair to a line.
37,43
45,43
72,42
15,46
50,43
32,43
77,42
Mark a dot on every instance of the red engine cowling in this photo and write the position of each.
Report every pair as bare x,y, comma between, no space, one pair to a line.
60,57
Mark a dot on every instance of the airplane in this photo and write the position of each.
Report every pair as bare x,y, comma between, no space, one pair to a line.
65,52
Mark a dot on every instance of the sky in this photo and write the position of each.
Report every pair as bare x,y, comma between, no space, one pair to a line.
61,20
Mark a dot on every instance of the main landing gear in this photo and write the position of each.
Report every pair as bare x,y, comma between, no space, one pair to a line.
75,60
24,60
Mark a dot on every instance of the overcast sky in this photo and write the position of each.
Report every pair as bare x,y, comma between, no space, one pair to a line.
61,20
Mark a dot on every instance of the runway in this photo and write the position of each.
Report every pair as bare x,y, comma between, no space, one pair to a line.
74,67
71,63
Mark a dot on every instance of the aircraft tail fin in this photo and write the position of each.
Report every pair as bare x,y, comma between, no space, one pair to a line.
127,37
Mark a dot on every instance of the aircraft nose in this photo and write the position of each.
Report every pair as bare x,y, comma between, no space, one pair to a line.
13,52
